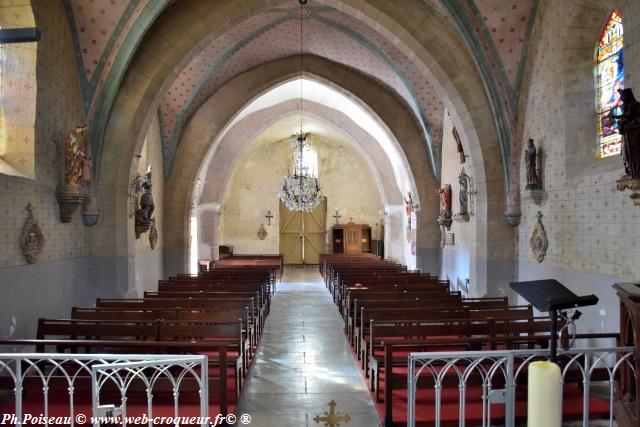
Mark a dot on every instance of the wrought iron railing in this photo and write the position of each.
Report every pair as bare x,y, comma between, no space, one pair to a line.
44,375
501,373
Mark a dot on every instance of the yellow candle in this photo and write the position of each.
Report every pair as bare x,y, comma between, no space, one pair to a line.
544,407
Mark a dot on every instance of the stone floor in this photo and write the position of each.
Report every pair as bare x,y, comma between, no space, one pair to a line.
304,361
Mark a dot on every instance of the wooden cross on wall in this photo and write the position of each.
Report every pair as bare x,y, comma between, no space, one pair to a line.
337,217
268,216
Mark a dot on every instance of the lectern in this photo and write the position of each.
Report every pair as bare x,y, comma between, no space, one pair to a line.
627,409
551,296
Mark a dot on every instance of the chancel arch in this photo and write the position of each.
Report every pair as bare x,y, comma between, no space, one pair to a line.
346,179
466,98
388,165
232,145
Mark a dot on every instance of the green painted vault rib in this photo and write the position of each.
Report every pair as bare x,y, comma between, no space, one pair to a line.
501,115
89,86
107,96
170,145
525,55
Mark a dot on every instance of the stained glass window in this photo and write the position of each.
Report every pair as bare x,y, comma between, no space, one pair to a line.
609,78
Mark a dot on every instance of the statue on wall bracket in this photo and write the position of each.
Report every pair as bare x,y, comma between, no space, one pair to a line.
74,191
463,195
539,241
144,213
629,128
444,218
31,238
533,188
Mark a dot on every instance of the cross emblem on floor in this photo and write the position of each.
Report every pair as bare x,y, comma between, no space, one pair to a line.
332,418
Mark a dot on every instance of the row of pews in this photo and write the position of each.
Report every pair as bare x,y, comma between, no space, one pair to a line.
390,311
220,312
275,262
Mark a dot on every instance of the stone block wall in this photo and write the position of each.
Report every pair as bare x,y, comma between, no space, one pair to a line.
344,177
593,230
591,226
61,278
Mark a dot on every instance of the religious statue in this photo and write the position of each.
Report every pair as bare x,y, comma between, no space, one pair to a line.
145,212
77,157
530,159
409,204
463,179
445,201
629,128
75,151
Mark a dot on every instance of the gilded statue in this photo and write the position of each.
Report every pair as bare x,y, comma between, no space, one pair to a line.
629,128
530,160
77,157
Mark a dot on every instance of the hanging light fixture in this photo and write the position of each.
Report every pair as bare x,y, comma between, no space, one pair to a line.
300,189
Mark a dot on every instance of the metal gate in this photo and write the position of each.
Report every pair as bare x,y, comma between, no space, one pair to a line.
501,374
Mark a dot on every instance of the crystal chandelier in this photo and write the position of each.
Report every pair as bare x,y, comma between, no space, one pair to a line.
300,189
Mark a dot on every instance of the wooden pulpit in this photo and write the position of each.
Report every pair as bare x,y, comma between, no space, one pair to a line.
627,407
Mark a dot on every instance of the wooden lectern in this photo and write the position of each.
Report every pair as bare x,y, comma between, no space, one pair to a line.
627,408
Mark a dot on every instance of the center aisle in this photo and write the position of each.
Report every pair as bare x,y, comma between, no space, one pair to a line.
304,361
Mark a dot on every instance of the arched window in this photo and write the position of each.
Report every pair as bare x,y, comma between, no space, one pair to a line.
18,89
609,78
310,161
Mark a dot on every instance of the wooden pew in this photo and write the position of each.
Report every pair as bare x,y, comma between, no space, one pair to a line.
395,356
273,260
262,296
449,301
209,304
424,314
389,331
122,330
108,313
207,334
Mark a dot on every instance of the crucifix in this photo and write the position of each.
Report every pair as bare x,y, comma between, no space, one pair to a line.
337,217
268,216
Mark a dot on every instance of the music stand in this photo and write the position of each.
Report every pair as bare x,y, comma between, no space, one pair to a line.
549,295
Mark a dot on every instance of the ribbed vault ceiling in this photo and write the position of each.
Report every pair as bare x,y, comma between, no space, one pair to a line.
100,29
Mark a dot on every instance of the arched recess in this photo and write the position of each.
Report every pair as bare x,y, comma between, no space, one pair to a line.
436,50
390,111
229,147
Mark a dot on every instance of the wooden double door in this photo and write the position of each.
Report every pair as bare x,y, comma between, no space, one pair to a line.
303,234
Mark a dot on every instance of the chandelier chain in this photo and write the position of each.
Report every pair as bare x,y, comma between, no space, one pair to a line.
300,188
